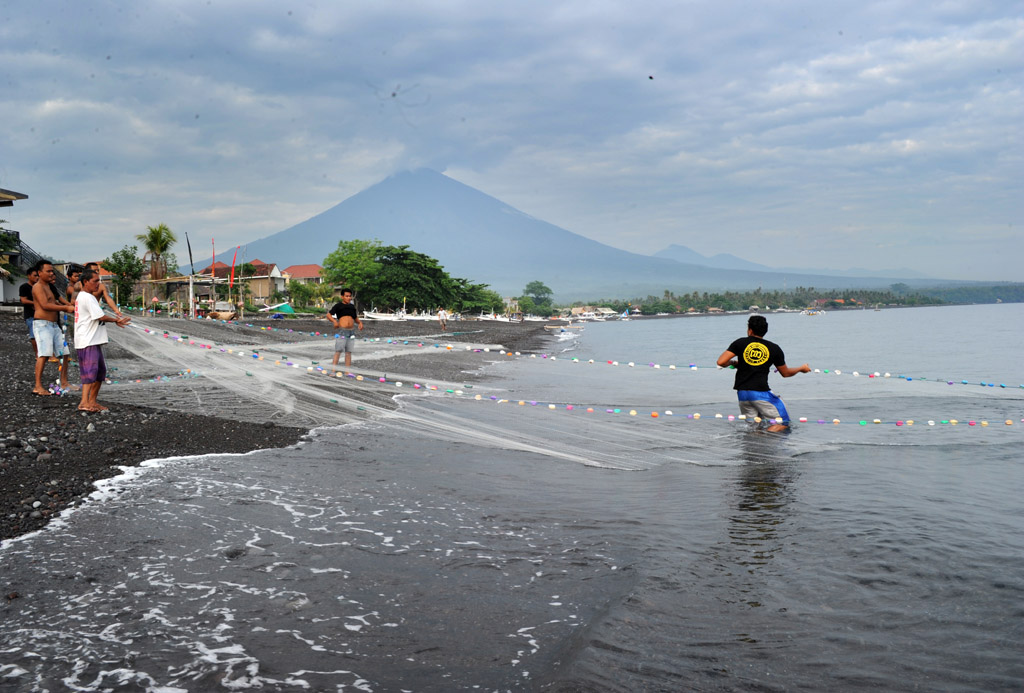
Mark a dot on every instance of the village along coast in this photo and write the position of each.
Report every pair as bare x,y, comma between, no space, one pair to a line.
51,454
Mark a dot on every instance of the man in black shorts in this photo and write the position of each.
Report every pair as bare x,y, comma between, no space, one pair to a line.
344,318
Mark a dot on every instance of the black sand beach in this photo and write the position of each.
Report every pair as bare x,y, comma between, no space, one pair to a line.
51,453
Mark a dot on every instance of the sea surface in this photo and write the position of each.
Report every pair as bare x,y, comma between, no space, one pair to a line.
590,520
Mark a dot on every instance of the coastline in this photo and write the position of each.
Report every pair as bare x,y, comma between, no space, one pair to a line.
51,454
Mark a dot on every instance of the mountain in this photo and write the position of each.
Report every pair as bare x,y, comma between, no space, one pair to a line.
480,238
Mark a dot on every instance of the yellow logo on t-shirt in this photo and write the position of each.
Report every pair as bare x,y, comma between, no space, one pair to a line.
755,354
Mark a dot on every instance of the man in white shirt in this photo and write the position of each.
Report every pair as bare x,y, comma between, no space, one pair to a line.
90,335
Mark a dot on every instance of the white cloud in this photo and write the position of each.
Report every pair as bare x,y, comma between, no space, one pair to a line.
892,123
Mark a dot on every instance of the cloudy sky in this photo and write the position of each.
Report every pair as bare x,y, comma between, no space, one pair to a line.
800,133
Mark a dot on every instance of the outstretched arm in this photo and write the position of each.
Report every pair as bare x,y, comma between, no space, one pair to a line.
726,359
787,372
105,295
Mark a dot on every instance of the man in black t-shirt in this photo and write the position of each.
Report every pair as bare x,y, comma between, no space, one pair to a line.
344,317
753,356
28,304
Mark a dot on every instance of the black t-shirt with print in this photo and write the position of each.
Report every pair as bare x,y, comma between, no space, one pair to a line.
755,358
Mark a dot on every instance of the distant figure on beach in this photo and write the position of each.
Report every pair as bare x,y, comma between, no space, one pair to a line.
753,356
46,326
28,304
442,318
74,283
344,318
101,293
74,287
90,335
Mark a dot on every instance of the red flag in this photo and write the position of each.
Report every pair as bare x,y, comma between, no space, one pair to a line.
213,260
231,282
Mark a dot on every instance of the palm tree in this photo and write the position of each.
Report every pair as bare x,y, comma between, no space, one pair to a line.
157,240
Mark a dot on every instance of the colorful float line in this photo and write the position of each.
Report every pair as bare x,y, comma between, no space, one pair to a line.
316,368
610,362
457,391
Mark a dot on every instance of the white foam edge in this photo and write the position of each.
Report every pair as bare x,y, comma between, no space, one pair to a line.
109,487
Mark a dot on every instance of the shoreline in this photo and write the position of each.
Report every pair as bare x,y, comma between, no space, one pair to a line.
51,454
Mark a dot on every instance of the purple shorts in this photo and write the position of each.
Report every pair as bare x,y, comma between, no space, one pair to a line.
91,365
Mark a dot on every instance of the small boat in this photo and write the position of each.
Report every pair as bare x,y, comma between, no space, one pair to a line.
376,315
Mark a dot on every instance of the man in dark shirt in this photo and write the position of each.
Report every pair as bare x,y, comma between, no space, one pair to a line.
753,356
344,317
28,304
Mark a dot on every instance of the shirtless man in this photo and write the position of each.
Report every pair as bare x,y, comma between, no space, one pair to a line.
344,317
101,293
46,326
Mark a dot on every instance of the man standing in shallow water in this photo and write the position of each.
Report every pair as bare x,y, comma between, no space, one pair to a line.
753,356
344,318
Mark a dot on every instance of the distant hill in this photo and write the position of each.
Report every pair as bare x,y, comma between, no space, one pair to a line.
680,253
480,238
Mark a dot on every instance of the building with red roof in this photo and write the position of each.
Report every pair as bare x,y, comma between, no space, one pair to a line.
304,274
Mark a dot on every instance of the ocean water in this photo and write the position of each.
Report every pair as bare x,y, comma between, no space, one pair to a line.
498,539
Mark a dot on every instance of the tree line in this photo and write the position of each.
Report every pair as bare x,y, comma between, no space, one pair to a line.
389,277
795,299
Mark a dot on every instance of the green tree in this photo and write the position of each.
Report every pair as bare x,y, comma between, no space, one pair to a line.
127,268
157,240
171,265
324,291
353,264
408,278
300,293
539,292
477,298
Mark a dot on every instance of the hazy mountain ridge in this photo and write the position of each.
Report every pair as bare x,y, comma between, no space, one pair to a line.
480,238
681,253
